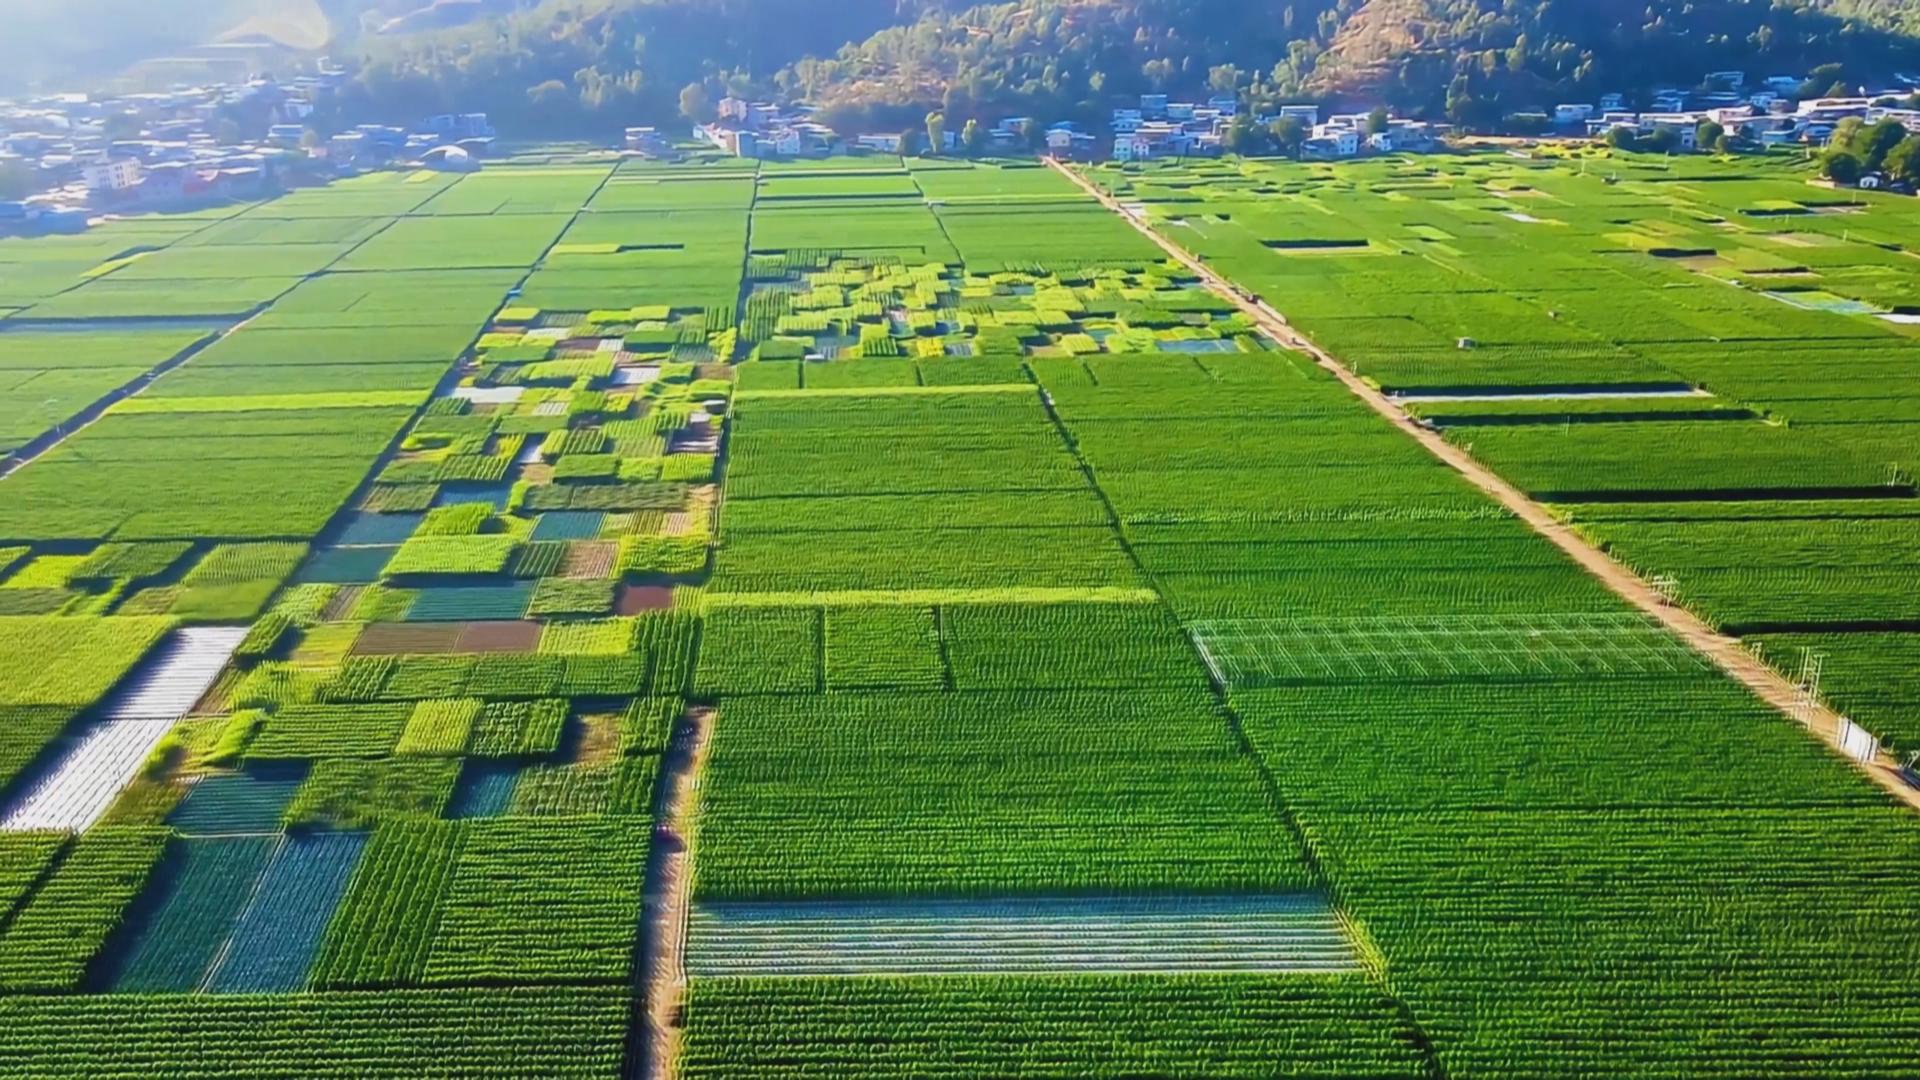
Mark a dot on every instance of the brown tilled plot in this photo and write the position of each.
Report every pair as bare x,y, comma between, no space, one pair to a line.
399,639
637,599
504,636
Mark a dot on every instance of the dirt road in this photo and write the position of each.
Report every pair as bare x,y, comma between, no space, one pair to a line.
668,896
1724,651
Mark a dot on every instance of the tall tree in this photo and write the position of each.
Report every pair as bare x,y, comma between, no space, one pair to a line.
1903,161
1287,133
1841,167
694,103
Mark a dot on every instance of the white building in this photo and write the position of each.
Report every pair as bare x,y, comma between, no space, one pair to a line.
1339,140
1132,147
1068,143
449,159
109,176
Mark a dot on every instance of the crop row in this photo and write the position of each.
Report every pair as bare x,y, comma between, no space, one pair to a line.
1036,1026
969,646
418,1035
984,794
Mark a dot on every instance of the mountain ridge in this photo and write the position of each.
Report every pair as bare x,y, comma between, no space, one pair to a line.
591,64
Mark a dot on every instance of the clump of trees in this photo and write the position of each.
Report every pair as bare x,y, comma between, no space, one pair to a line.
1859,149
1280,138
1663,139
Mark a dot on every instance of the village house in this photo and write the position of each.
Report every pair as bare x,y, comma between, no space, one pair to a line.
1067,144
882,143
108,178
1571,115
763,129
1010,134
647,141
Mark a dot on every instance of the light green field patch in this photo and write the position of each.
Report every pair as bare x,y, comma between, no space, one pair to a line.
111,265
271,402
889,391
713,601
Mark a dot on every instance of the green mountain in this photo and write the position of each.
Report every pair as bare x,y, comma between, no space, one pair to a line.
883,63
1068,56
555,65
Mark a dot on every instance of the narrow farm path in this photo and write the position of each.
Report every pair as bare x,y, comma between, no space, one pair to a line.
39,446
668,900
87,417
1724,651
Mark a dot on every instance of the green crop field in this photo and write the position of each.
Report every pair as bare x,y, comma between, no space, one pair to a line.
1006,656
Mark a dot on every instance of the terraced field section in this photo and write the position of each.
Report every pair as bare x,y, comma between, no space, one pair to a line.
878,618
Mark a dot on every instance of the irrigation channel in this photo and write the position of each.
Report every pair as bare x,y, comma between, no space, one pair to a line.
1726,652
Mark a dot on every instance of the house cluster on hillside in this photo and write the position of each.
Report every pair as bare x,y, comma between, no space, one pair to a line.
85,155
1346,135
1155,128
763,129
1768,114
1159,128
455,142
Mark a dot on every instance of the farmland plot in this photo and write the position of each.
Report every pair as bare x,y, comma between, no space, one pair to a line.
912,794
1599,805
936,606
81,780
321,861
1241,934
1034,1026
206,884
274,941
48,378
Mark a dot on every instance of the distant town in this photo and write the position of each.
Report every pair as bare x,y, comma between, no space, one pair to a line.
66,159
